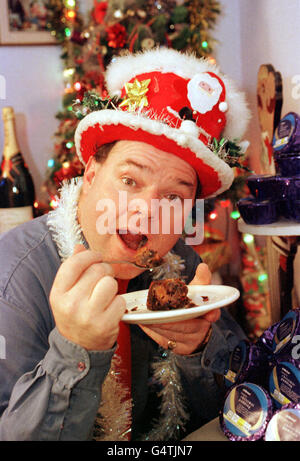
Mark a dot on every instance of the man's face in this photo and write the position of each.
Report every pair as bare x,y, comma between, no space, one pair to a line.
118,207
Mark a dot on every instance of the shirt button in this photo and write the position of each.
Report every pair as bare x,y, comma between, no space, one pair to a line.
81,366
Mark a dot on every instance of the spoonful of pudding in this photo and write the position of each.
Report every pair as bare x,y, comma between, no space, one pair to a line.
145,258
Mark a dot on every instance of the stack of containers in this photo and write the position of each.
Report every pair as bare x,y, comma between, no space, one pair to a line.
277,196
262,380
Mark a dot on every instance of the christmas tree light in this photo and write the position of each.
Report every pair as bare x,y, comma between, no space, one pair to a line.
235,214
263,277
70,14
248,238
70,3
225,203
213,215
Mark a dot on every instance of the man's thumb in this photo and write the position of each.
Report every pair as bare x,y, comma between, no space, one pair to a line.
202,276
78,249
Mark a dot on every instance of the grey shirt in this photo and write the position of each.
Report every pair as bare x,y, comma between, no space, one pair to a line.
50,388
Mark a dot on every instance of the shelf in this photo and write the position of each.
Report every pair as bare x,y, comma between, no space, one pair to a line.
280,228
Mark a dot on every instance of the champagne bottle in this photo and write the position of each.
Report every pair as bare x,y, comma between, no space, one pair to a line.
17,192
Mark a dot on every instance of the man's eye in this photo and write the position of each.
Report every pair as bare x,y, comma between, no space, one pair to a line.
173,197
129,181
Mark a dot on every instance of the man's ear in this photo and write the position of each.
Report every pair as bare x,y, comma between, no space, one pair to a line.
89,174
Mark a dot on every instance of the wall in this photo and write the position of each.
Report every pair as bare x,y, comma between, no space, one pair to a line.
227,32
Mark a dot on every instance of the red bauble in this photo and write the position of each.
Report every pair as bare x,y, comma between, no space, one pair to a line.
65,173
77,37
99,12
116,36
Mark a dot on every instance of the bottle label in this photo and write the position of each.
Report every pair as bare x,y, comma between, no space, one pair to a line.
13,217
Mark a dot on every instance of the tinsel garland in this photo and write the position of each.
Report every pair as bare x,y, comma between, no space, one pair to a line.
203,15
230,151
114,416
113,420
171,268
113,425
66,231
172,409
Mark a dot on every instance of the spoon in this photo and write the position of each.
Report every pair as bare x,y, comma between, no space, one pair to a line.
139,266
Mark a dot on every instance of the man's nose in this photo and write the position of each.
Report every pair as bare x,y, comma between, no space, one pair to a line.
143,209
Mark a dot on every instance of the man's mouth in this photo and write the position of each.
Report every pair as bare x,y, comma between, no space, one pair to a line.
133,241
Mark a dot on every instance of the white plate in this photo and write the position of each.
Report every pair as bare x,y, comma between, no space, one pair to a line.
218,296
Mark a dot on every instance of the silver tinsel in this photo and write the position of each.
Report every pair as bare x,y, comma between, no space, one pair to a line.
114,416
113,421
172,409
66,231
171,268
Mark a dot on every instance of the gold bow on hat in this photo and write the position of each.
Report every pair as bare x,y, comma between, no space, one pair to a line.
135,93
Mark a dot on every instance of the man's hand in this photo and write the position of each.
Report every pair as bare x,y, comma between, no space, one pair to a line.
188,334
84,301
202,276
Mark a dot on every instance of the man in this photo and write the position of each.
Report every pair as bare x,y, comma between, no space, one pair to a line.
67,350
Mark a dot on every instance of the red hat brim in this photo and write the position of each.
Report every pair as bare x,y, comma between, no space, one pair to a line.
215,175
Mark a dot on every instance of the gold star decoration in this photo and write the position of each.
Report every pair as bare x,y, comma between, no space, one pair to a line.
136,94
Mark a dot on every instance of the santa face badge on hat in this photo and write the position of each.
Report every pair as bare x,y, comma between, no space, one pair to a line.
204,92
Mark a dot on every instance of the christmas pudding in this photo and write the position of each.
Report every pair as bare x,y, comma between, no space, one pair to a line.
145,257
287,166
258,212
168,294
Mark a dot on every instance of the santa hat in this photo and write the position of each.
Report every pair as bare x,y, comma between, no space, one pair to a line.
175,102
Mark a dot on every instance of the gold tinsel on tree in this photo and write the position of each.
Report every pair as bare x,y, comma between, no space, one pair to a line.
203,15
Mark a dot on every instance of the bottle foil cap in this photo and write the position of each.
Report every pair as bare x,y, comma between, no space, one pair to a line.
8,113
